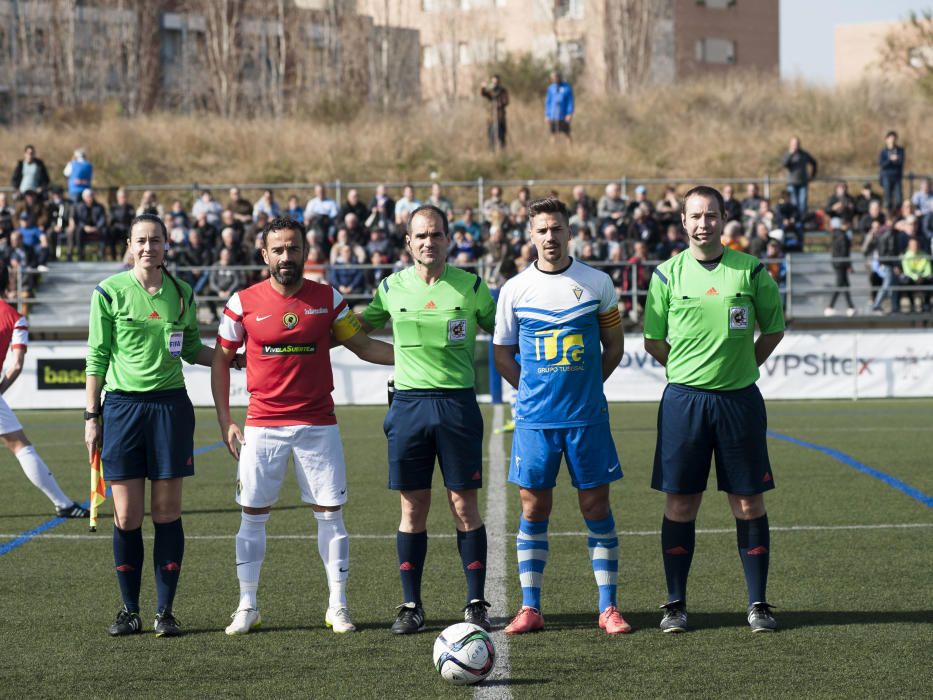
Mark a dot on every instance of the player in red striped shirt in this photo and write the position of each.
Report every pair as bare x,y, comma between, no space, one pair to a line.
14,337
287,323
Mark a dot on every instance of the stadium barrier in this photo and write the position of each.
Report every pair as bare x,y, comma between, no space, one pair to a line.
827,365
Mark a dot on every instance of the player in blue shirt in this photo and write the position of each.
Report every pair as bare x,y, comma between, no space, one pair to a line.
556,314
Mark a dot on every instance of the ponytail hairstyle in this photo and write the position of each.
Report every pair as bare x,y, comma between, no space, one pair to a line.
153,218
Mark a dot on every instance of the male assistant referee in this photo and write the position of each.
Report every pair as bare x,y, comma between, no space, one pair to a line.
700,324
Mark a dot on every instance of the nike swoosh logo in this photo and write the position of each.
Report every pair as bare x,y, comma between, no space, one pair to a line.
343,492
263,318
343,571
613,468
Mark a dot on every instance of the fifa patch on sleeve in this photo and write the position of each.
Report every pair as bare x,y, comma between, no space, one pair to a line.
738,318
456,329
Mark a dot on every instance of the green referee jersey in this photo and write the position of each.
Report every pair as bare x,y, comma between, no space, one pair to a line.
433,326
137,339
709,317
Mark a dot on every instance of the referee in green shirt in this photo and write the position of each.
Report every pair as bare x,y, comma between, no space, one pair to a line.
143,322
700,319
435,311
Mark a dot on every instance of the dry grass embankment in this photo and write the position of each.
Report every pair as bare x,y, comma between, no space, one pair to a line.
712,128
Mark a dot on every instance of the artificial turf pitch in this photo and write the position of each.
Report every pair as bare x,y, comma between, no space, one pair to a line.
851,572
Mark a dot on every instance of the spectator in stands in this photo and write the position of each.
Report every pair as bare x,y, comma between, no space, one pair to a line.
841,204
315,268
404,260
345,277
641,200
864,200
638,273
763,215
122,214
733,206
355,230
840,249
80,174
379,243
891,165
208,207
437,199
7,216
149,204
495,209
21,261
90,221
343,240
496,264
751,205
673,244
30,173
321,215
611,242
228,220
667,210
223,280
382,214
582,219
581,197
462,245
240,206
801,168
353,205
786,215
644,228
518,209
777,267
916,271
468,223
498,98
267,205
198,256
177,217
33,207
35,241
733,238
881,244
758,244
558,106
60,212
874,215
405,206
229,242
378,272
581,238
209,232
611,207
293,210
922,205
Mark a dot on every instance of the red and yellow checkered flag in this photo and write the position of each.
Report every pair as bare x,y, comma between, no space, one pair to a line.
98,488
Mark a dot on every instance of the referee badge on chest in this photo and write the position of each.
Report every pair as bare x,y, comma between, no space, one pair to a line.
456,329
175,340
738,318
290,319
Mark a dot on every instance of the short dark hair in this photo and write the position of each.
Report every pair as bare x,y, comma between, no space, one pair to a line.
430,209
548,205
891,133
152,218
709,193
283,223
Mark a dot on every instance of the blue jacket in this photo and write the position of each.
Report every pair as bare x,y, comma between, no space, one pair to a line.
891,168
558,104
80,178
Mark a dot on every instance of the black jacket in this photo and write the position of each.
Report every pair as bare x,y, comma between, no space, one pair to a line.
43,179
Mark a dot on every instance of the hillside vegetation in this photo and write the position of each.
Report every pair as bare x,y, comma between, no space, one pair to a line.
712,128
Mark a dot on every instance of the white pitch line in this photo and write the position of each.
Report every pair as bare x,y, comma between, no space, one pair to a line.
105,535
496,687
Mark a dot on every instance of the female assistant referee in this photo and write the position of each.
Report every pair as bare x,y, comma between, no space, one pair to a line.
143,322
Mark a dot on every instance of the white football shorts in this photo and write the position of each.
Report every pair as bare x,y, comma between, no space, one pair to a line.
9,423
319,464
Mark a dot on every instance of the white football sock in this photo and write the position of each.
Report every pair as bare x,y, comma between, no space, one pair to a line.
333,544
40,475
250,551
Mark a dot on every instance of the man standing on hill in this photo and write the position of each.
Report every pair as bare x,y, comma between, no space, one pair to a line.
700,324
801,168
558,106
891,164
498,98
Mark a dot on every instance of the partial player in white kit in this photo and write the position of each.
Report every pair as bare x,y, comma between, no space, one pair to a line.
286,323
14,337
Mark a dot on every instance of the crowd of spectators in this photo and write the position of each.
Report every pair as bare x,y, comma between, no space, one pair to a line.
356,242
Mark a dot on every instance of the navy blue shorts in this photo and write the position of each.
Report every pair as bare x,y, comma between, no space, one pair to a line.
694,425
147,435
423,425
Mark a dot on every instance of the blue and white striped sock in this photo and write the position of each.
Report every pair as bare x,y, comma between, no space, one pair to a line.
603,544
532,546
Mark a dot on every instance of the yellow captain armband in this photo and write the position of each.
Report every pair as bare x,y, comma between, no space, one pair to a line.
346,327
610,319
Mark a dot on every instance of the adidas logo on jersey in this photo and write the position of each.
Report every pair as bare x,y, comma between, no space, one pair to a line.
711,292
430,305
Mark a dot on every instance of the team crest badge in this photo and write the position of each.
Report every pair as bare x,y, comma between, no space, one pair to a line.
738,318
577,292
456,329
290,319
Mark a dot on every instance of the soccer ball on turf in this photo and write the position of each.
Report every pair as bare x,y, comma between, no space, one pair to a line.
464,654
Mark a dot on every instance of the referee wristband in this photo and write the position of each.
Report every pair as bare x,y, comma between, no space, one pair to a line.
89,415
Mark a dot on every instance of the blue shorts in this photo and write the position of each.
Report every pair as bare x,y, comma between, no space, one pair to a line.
147,435
694,425
423,425
591,456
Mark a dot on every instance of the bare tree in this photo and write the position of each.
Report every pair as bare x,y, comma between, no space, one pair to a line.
630,27
908,50
223,51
